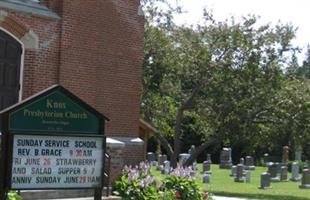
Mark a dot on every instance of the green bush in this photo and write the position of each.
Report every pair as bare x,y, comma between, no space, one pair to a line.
12,195
182,182
184,188
136,183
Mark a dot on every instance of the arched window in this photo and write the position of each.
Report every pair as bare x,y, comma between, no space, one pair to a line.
10,61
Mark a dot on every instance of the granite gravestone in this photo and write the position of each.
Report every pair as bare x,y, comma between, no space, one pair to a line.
191,151
265,181
241,161
240,171
225,159
249,163
266,158
285,152
206,178
284,174
162,159
233,171
209,158
273,170
298,153
248,177
183,157
167,167
305,180
295,172
151,157
206,166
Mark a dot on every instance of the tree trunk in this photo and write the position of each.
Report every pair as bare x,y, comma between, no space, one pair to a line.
177,139
198,151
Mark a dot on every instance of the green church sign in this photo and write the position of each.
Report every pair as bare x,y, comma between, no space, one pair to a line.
55,112
42,137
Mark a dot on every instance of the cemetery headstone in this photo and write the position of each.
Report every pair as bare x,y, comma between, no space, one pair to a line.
240,171
167,167
279,165
191,151
162,169
151,157
192,173
248,176
162,159
265,181
194,166
241,161
308,164
206,178
183,157
266,158
154,163
295,172
233,171
285,152
298,153
268,164
225,159
284,174
209,158
249,163
273,170
305,180
206,166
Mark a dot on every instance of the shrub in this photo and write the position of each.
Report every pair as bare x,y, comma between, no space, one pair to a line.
12,195
137,183
182,183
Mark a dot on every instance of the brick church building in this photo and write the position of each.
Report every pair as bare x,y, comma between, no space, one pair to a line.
94,48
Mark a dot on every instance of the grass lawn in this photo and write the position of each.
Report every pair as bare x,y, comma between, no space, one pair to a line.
223,185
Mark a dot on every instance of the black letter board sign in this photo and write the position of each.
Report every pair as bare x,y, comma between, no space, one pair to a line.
52,140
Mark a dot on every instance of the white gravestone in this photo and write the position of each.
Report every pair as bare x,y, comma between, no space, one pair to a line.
295,172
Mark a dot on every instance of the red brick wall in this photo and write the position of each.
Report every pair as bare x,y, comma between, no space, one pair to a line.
95,50
40,65
101,62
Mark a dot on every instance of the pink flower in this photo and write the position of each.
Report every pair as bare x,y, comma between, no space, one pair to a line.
206,195
178,195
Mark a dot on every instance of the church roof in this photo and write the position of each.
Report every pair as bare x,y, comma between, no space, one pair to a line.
30,7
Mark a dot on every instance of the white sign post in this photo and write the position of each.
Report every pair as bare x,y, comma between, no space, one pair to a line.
56,162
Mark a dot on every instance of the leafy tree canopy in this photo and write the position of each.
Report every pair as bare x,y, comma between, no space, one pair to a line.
223,81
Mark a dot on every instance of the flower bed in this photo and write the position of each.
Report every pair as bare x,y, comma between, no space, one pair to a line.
138,184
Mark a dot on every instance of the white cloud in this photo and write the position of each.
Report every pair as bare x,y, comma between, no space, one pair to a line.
286,11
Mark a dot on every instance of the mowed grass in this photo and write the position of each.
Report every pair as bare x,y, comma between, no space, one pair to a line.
222,184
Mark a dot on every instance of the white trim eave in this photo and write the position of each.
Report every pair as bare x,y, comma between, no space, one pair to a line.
42,11
130,140
114,143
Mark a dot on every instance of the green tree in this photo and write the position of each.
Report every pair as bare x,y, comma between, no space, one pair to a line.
293,114
221,74
304,71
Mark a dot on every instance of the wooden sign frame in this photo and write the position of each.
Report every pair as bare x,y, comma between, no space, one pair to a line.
66,101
